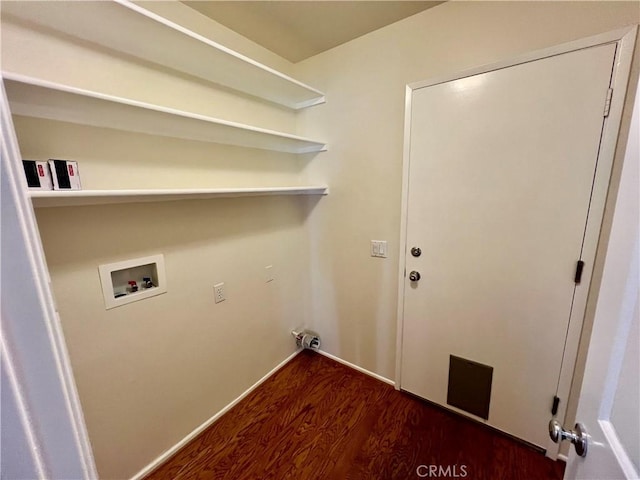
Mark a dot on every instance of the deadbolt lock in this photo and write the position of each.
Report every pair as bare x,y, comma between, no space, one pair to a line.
416,252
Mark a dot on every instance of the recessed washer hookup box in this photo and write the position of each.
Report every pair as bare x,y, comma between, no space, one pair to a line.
66,175
131,280
38,175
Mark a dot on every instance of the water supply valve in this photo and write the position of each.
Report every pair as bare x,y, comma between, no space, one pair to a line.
306,339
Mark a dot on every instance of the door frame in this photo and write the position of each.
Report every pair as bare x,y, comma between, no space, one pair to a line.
33,350
581,312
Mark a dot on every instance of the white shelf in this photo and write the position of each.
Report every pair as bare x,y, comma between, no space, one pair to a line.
42,99
128,28
56,198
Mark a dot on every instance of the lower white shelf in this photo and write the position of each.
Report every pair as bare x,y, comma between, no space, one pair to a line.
57,198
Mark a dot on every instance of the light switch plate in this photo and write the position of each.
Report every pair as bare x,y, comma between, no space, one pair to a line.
268,274
379,248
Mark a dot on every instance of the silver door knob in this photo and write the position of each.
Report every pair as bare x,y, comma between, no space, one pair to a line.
578,437
414,276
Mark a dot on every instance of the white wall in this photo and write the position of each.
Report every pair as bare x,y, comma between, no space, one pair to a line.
150,372
354,295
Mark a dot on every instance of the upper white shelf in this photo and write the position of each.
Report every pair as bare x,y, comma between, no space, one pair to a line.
57,198
125,27
41,99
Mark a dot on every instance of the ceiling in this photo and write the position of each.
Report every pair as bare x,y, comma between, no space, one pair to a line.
300,29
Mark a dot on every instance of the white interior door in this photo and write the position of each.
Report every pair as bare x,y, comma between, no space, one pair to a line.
501,171
609,406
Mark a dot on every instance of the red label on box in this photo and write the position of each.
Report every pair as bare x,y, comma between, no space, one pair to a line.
70,170
40,171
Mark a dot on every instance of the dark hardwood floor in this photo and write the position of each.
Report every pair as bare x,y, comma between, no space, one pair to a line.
317,419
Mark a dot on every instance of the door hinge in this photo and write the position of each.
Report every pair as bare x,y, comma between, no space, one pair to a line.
554,406
607,103
578,276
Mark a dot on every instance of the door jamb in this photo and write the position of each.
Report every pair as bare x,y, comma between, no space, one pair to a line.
30,404
625,40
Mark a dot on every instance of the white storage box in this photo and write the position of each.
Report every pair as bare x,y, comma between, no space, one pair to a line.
66,175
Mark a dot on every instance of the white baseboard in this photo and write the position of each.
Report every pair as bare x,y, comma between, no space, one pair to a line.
356,367
165,456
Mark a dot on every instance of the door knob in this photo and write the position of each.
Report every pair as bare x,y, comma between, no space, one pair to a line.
416,252
414,276
578,437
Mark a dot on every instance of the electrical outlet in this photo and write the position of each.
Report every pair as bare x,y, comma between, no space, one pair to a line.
218,292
